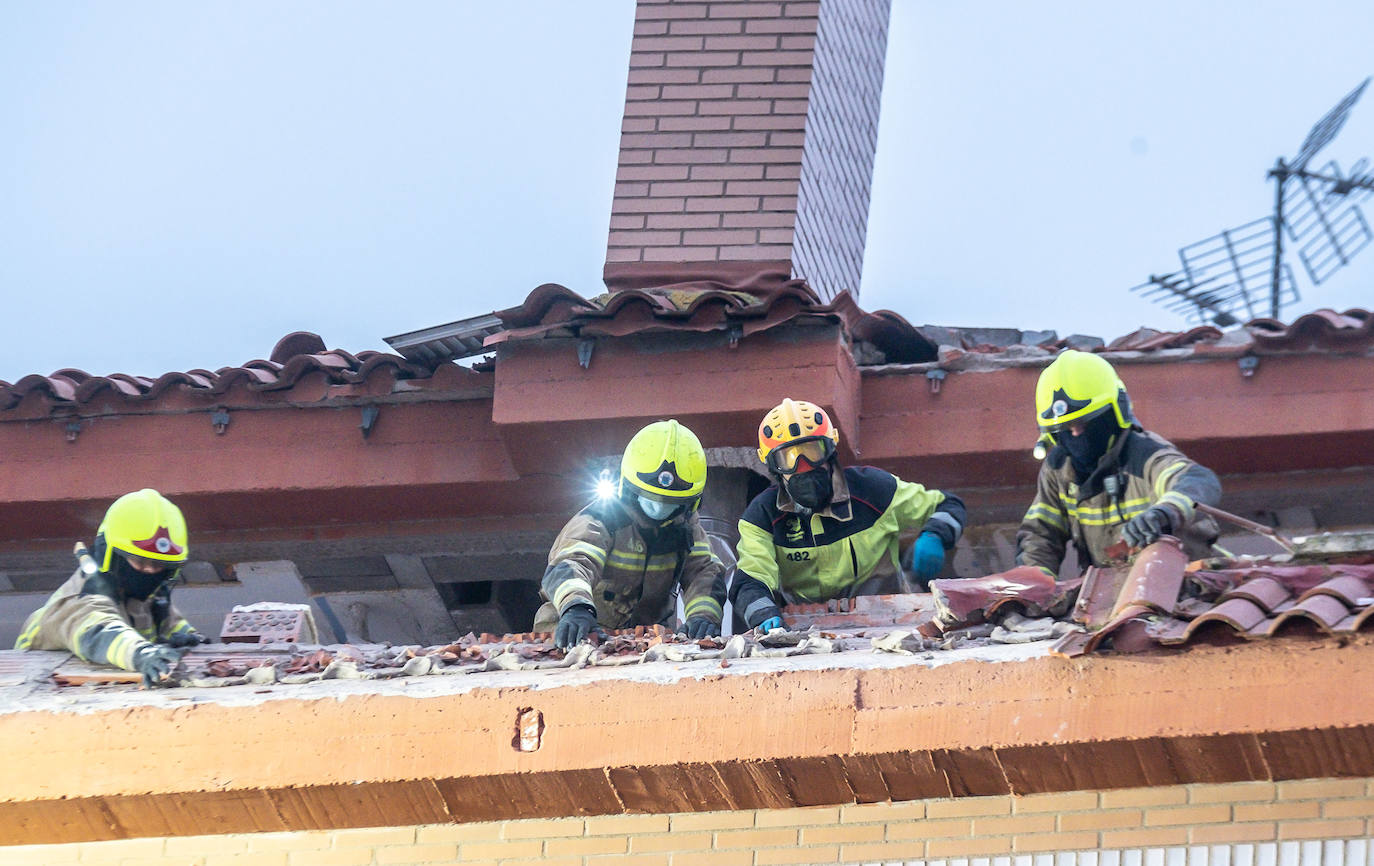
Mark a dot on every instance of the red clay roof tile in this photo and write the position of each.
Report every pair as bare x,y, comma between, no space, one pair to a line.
1266,592
286,367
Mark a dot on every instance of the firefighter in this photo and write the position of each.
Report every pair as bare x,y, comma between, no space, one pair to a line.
1104,478
823,531
622,560
120,611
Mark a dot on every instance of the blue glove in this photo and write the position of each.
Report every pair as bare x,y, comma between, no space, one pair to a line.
769,624
927,557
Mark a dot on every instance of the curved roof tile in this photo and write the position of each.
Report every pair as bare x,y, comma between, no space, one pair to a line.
295,356
1320,329
1266,592
704,305
1324,611
1349,589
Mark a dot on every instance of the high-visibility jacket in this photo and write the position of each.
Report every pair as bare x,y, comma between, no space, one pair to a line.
1147,470
91,618
631,571
832,553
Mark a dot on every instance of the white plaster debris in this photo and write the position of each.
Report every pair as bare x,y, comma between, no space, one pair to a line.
41,694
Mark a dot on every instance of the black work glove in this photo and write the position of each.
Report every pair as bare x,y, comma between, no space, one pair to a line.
155,662
699,627
1146,528
184,639
575,625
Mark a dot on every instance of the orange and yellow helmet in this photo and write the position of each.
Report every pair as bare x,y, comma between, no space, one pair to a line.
795,436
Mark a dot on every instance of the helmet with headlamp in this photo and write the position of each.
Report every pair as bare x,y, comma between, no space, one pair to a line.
663,471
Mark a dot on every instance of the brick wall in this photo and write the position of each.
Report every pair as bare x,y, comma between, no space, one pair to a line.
975,826
748,141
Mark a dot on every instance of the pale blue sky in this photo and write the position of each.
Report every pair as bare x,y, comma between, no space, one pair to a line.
183,184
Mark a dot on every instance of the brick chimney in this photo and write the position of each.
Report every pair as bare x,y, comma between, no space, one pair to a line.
747,144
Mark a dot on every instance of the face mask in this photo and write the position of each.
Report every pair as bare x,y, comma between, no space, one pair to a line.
655,510
1087,448
810,490
137,584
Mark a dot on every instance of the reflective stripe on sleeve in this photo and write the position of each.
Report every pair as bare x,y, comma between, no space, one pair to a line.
1166,477
591,551
703,606
574,586
1045,514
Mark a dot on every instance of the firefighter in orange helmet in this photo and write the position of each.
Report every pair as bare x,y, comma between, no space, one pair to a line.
823,531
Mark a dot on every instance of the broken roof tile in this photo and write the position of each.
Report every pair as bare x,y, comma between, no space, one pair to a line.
1155,578
966,600
1255,599
1149,340
1320,329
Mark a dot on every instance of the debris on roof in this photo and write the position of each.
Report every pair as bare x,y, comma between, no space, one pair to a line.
1157,601
1024,590
1160,599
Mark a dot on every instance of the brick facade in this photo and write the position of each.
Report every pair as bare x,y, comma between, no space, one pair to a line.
748,141
1246,812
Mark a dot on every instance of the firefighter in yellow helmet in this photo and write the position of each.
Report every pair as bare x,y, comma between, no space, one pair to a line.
823,531
622,560
118,609
1104,478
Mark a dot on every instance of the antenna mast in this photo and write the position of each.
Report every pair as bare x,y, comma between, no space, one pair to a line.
1224,275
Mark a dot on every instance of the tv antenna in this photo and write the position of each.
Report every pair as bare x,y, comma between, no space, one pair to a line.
1228,275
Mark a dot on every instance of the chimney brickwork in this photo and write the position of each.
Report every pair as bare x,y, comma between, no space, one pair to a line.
748,140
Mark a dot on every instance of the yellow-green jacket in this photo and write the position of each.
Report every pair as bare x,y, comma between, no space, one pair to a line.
1147,470
88,617
630,570
833,552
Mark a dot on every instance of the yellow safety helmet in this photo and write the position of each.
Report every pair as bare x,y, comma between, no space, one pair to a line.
143,523
664,462
803,428
1076,387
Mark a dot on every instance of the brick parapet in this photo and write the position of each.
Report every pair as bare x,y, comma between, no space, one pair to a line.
1285,814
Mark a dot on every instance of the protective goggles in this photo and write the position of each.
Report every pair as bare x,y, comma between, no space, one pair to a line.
801,455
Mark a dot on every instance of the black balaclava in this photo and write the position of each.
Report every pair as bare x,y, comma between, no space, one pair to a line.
135,583
1086,449
811,490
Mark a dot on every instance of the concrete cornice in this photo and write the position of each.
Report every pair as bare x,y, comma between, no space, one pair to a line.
667,738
